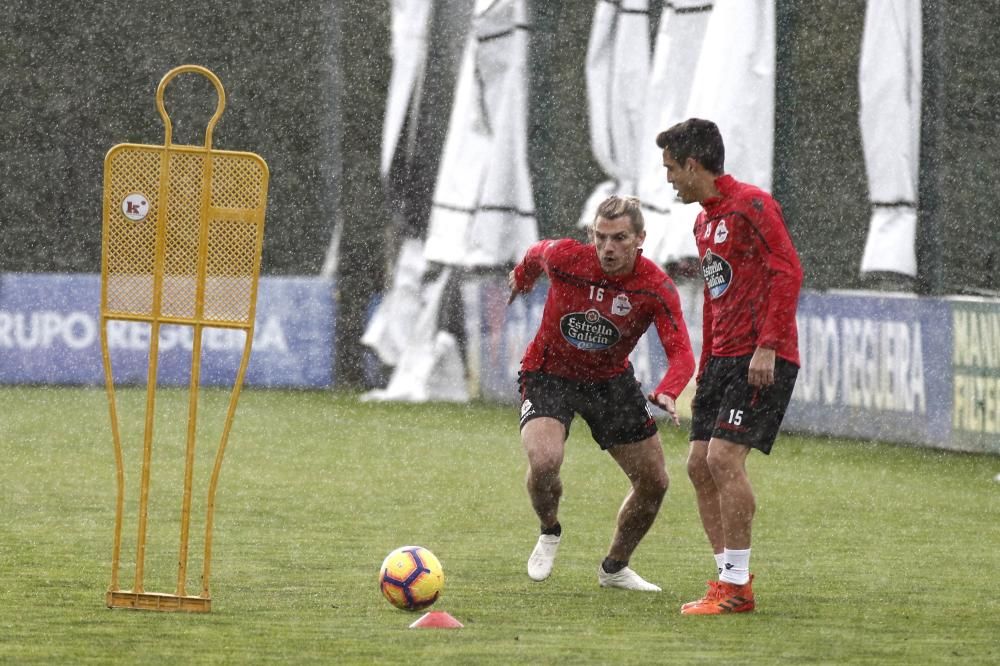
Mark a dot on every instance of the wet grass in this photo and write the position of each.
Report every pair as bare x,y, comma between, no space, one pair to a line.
864,553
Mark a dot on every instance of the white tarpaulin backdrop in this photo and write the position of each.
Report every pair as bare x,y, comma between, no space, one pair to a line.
617,78
712,60
889,81
678,46
484,212
410,21
403,329
734,85
388,331
483,207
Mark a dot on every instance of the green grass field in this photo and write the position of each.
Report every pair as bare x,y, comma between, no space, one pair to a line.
863,553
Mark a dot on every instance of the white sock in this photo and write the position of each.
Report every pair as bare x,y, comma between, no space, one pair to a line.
737,567
720,562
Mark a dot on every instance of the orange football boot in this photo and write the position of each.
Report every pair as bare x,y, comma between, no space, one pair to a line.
710,595
728,598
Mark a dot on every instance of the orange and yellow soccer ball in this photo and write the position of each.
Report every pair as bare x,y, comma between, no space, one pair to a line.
411,578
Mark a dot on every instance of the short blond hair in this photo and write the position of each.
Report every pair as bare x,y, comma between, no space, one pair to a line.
617,206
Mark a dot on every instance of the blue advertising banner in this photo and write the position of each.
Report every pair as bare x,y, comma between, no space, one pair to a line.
873,367
50,334
975,414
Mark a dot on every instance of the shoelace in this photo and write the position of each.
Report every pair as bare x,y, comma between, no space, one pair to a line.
713,593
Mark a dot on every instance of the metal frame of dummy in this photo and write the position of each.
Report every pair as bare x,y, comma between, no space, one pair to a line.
183,230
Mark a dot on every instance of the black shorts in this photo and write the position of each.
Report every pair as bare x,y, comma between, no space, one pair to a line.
616,410
727,407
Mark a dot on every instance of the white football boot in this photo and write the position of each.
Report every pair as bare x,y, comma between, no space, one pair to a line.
625,579
543,556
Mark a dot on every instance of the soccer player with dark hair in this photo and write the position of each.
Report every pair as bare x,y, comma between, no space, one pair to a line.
602,297
750,358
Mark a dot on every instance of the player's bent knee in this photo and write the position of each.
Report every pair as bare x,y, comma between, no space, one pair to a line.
661,486
544,467
698,470
726,460
653,485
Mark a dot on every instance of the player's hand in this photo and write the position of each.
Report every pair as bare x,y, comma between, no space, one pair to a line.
667,404
761,367
512,283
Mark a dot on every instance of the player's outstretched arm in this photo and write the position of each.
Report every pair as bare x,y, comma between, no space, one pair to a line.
522,279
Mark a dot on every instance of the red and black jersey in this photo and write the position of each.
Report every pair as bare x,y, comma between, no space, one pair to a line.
752,274
592,321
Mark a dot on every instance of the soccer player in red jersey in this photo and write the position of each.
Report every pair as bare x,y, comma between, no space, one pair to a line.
750,356
602,297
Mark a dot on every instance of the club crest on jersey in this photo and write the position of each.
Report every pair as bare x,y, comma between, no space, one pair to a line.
620,306
589,331
721,232
717,272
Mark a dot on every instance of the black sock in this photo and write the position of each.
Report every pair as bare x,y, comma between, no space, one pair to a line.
555,530
613,566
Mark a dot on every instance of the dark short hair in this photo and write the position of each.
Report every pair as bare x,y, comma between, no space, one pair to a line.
696,138
616,206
